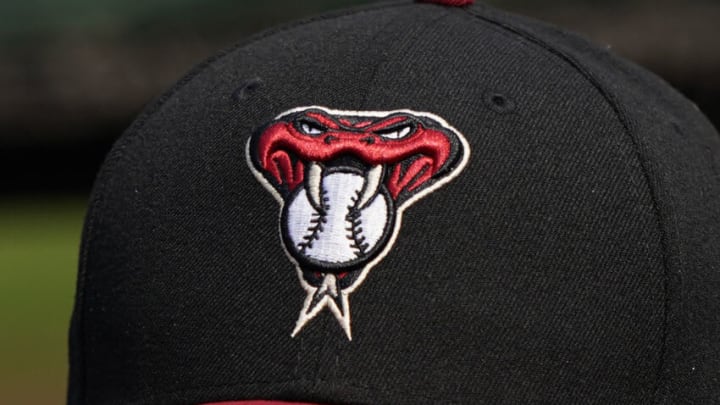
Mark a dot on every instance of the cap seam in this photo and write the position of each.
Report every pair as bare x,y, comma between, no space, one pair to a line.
376,69
643,161
97,200
364,104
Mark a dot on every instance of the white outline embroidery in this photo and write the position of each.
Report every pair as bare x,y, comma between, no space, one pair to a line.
344,319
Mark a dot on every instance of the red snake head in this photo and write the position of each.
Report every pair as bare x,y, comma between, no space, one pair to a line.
404,152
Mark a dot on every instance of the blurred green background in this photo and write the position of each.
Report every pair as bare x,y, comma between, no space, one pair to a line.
73,74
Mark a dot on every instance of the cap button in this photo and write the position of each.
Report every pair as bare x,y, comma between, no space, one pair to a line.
451,3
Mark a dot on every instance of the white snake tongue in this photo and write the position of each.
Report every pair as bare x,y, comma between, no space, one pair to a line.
313,185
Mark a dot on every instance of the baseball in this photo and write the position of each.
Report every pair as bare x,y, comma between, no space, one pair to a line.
343,226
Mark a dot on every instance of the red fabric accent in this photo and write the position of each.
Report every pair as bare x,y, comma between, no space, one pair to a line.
454,3
259,402
323,119
360,124
363,124
386,123
283,170
418,173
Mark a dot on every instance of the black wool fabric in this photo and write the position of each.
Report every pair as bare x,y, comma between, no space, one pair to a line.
576,259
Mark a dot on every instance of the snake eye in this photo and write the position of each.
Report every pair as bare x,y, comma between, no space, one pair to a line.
395,133
309,127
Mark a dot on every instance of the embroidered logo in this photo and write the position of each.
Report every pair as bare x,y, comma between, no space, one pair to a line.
343,180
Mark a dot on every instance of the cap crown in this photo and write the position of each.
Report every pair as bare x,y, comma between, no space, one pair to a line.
573,260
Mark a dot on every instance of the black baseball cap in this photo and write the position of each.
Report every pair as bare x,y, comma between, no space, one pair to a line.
405,203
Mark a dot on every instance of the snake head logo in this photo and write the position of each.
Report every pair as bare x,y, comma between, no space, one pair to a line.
343,180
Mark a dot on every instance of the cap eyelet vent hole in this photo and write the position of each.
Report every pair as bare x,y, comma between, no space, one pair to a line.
246,89
499,103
